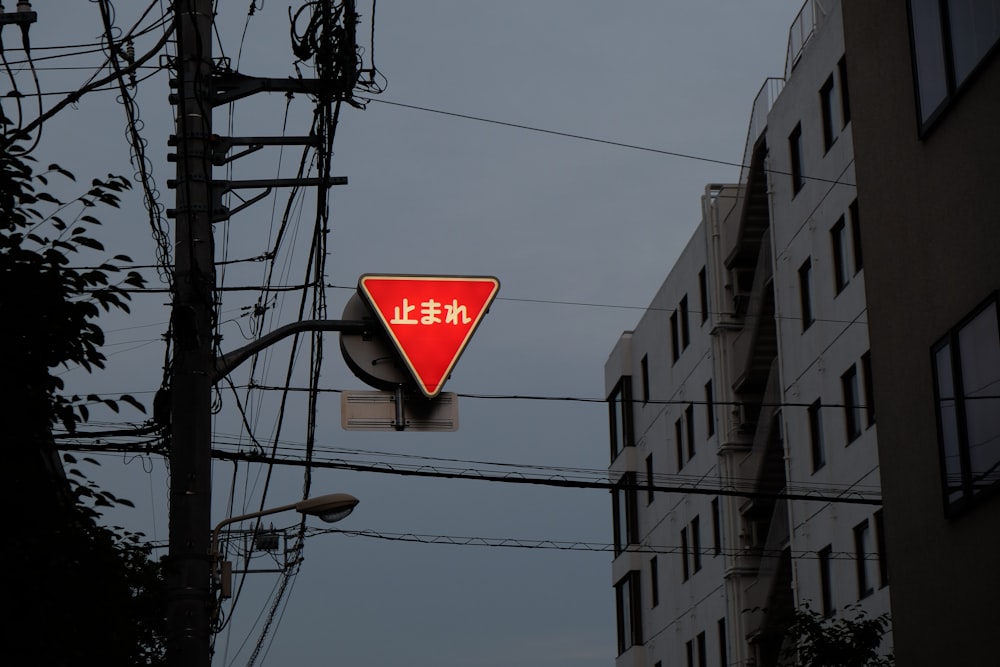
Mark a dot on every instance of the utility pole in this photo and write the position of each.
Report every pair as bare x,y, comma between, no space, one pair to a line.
189,599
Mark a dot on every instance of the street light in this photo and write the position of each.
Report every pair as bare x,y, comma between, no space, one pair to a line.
329,508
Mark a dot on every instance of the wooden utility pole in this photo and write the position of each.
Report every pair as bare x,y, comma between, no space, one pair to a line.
189,598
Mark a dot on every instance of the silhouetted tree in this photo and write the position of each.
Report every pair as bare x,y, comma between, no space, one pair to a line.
816,641
76,592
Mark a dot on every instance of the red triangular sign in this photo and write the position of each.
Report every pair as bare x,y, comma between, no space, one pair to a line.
430,319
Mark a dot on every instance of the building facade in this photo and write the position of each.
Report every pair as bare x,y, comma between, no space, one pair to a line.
744,444
927,145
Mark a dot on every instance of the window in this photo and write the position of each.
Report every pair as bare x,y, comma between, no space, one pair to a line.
845,100
649,479
703,294
816,435
685,329
689,650
654,581
644,370
805,296
689,427
863,555
620,411
685,567
869,382
709,410
674,340
629,612
828,107
702,654
716,528
696,544
679,440
950,38
856,235
825,580
883,562
723,644
838,243
795,153
852,411
967,383
626,515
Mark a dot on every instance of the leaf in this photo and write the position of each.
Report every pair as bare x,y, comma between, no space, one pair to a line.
68,458
126,398
89,242
111,404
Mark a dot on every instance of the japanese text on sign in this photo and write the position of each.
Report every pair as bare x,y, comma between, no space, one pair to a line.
430,313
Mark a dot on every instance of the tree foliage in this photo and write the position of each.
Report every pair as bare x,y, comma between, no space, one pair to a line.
813,640
78,592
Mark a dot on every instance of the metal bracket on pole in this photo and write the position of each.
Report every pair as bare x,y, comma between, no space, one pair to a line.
400,424
230,86
221,213
222,145
227,362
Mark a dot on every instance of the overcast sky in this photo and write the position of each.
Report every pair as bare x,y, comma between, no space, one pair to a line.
580,234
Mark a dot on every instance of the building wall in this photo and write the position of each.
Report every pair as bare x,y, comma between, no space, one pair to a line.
931,240
747,376
812,226
671,401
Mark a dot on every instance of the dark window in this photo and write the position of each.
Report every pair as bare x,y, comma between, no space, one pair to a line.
816,435
967,387
795,152
950,38
689,427
644,369
629,612
626,514
696,543
805,293
685,329
869,381
852,402
856,235
620,410
649,478
709,410
703,294
828,106
838,243
863,555
845,99
825,580
689,651
675,347
883,562
716,528
685,566
702,654
654,581
723,644
679,440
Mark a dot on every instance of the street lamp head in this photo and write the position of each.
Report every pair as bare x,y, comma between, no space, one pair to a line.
329,508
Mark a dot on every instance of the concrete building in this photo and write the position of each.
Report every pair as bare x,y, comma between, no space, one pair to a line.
743,396
925,88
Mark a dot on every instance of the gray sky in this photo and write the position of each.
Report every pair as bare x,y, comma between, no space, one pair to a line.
558,220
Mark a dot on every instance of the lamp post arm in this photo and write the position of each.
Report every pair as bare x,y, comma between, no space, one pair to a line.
243,517
227,362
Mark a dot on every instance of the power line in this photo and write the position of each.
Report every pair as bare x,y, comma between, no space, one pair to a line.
570,545
856,499
607,142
